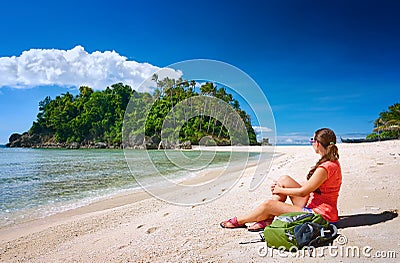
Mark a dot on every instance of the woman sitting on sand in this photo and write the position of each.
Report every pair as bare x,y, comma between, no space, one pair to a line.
318,195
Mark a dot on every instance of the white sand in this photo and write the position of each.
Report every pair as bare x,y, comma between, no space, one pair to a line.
139,228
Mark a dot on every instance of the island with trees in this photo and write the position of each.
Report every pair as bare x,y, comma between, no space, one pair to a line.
95,119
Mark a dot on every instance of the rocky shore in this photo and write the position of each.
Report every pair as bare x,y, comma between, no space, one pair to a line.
141,142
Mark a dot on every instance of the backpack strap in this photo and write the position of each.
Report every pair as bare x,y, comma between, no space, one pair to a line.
260,239
327,236
331,231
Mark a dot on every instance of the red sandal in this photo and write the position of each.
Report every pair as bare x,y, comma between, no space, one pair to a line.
233,222
260,225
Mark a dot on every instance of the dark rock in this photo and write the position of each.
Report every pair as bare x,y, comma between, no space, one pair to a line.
185,145
265,142
14,137
149,144
101,145
156,139
135,140
165,145
73,145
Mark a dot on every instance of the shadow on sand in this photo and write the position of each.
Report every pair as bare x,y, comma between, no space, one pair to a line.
365,219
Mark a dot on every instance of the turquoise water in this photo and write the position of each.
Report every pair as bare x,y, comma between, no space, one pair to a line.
38,182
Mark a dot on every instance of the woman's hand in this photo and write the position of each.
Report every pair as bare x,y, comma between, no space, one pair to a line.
276,188
273,186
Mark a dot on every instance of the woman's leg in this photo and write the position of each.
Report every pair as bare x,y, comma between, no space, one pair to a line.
268,209
277,205
288,182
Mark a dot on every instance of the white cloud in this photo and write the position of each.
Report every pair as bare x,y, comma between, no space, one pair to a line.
149,85
293,139
75,67
263,132
260,129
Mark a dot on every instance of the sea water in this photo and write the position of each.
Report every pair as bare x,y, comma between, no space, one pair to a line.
35,183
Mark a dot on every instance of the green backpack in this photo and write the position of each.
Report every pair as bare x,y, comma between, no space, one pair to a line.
297,230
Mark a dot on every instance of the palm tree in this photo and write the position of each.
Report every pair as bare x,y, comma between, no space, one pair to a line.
169,90
389,120
210,90
155,79
192,85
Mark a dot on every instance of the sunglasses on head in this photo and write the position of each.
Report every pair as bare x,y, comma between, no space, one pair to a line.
312,140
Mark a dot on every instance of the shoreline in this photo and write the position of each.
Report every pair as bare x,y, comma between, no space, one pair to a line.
113,229
25,215
114,200
38,224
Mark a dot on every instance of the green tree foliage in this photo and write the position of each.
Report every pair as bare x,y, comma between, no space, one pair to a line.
388,123
94,116
89,116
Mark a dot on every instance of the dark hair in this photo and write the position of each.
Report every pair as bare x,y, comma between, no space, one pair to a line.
327,138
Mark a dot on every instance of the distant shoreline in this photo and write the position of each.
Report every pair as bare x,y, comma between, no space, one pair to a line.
194,147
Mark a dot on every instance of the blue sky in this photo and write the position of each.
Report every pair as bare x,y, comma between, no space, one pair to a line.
319,63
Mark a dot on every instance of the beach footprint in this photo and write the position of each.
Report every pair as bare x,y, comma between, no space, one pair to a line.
151,230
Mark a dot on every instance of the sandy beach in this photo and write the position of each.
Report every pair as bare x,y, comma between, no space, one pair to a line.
140,228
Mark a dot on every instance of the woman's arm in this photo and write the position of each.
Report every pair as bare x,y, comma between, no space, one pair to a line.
317,179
